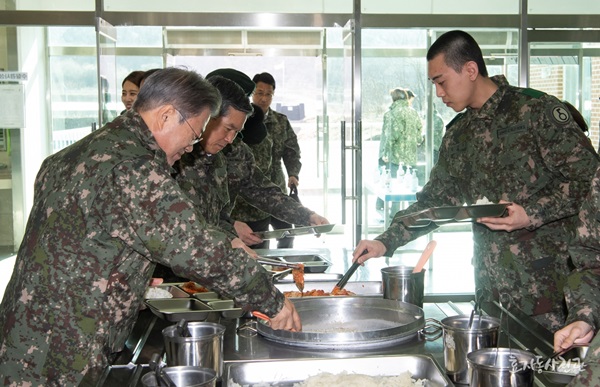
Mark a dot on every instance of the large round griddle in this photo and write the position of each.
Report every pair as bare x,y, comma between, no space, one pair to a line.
349,322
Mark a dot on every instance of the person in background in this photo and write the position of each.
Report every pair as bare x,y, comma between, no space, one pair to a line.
400,136
106,209
508,145
285,147
131,88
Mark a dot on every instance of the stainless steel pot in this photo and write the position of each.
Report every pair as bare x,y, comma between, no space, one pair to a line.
184,376
350,322
460,340
502,367
203,349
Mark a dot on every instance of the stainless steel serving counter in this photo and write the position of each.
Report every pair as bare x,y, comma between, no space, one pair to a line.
146,337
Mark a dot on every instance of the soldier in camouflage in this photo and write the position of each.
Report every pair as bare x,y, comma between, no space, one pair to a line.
285,147
509,145
106,209
582,291
222,168
401,133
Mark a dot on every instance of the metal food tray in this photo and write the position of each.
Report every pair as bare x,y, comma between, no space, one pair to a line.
443,215
290,232
313,263
191,309
284,373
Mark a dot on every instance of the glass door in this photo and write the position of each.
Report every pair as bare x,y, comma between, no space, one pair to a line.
341,134
106,43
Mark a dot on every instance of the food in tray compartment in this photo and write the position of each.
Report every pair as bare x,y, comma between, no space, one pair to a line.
318,293
483,201
156,292
345,379
192,288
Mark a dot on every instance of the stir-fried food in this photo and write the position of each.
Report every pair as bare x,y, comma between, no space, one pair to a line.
317,293
298,275
192,288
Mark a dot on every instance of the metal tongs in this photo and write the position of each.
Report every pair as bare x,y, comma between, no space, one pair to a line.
476,309
162,379
275,262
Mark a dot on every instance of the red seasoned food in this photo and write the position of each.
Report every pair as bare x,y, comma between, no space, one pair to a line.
192,288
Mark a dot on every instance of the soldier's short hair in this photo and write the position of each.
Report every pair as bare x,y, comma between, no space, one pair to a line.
186,90
264,78
458,48
232,95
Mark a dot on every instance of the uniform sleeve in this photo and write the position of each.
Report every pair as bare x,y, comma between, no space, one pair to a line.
144,206
582,291
567,153
291,151
263,194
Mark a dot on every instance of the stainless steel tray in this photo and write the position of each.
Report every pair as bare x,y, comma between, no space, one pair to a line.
191,309
443,215
349,322
313,263
285,373
289,232
312,277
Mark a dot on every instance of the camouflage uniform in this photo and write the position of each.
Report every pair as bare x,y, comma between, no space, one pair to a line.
285,147
105,210
231,173
523,146
401,134
244,211
583,288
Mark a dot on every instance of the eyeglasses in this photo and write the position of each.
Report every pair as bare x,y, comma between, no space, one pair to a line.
196,137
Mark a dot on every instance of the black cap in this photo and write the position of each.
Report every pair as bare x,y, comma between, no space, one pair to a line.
236,76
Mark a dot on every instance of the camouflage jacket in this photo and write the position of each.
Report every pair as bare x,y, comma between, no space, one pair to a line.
231,173
401,134
583,288
242,210
522,146
248,182
105,210
285,148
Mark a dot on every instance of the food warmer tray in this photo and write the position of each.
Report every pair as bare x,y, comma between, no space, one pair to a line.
290,232
341,322
453,214
285,373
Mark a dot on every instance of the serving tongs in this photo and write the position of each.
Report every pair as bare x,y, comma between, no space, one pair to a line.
275,262
162,379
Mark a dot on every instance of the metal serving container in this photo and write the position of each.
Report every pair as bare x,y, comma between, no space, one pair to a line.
349,322
288,372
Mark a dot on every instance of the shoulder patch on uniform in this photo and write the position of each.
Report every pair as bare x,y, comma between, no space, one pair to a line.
458,117
532,92
559,114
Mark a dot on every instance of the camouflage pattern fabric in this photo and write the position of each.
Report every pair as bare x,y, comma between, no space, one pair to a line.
285,148
105,210
242,210
214,184
583,288
248,182
521,146
401,134
582,291
590,375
